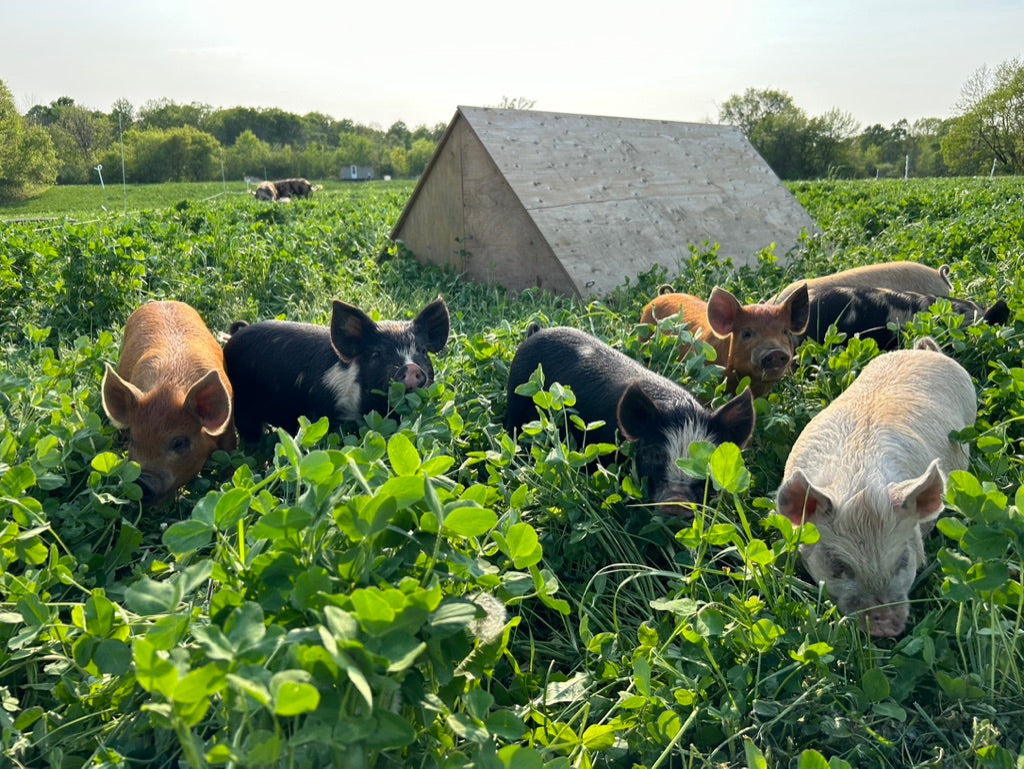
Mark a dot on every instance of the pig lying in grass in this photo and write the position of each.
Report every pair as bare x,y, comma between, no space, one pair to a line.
661,416
869,471
894,276
171,394
754,340
867,312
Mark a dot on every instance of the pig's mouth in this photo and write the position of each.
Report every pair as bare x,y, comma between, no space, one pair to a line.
774,365
155,488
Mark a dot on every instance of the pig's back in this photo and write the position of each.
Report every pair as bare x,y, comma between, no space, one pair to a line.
893,420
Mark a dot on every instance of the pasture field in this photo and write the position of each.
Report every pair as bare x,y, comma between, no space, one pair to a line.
421,590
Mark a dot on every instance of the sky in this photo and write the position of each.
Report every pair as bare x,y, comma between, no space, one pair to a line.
377,62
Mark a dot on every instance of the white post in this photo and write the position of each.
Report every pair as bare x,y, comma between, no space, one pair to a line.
992,173
906,169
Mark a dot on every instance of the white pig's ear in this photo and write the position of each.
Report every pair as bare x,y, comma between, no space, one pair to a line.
799,501
922,496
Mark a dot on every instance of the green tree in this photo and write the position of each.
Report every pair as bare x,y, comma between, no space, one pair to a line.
794,145
164,113
420,153
183,154
355,149
248,156
27,157
990,123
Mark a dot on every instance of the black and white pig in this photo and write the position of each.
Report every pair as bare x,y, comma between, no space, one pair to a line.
659,415
869,471
282,370
868,311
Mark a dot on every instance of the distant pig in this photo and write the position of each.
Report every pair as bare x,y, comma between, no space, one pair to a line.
171,394
867,312
869,471
754,340
659,415
895,276
293,188
282,370
266,191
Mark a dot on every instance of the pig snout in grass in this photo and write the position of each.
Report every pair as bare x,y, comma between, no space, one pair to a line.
281,370
869,471
660,416
171,394
867,312
754,340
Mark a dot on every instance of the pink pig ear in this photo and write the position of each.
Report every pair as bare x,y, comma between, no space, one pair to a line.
923,496
723,309
208,399
120,398
799,501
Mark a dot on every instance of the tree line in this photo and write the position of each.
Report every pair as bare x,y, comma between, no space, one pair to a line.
64,142
164,141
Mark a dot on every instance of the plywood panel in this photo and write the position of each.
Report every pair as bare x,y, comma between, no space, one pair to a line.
614,196
434,227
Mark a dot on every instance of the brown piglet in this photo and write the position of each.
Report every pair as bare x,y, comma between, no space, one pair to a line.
171,394
754,340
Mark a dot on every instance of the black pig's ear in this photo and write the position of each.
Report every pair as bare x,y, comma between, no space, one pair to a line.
799,306
431,326
734,422
350,328
638,416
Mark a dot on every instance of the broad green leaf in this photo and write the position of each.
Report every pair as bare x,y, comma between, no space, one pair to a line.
470,521
524,546
598,737
292,698
185,537
875,684
727,468
404,458
153,673
147,596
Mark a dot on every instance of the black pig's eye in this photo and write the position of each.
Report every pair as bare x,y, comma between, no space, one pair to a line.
180,444
747,333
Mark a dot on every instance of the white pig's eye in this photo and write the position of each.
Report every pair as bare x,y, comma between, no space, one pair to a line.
838,568
904,561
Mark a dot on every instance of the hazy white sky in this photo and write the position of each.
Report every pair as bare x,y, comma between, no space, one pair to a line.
379,61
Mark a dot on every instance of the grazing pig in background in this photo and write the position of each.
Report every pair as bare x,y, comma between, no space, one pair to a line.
293,188
171,393
869,471
282,370
895,276
659,415
754,340
266,191
868,311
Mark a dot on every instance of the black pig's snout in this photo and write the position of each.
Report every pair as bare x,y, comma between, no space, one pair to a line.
412,376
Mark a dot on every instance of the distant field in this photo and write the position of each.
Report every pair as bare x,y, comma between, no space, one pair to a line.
85,199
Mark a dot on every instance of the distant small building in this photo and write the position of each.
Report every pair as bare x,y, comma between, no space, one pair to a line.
354,173
578,203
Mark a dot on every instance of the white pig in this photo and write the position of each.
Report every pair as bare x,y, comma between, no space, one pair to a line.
870,472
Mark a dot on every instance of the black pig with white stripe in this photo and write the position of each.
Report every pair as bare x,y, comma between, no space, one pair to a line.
281,370
662,417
